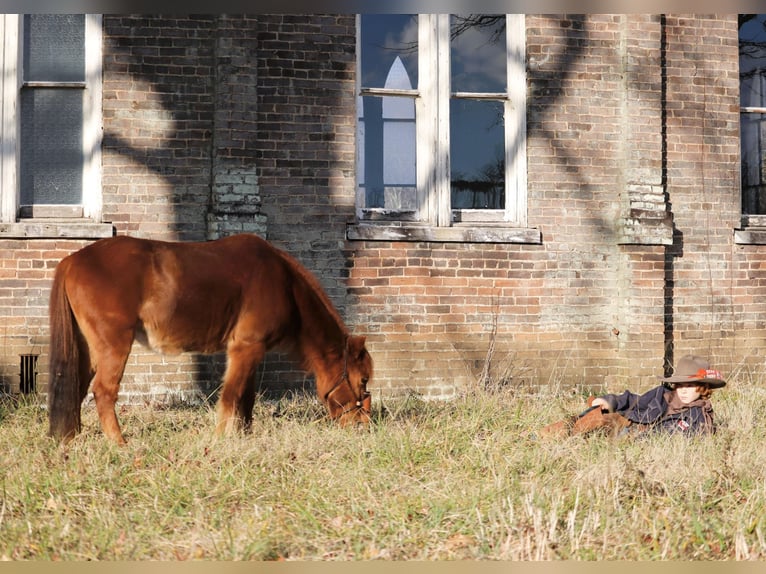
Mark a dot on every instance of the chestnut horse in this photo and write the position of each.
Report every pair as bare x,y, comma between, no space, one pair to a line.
237,294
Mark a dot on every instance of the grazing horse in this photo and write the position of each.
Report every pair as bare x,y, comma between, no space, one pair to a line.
238,294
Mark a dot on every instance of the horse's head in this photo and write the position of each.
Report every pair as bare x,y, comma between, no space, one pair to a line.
349,401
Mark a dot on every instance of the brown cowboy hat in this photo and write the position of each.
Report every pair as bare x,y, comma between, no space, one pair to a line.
695,369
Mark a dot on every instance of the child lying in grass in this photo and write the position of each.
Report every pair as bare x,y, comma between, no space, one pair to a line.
681,404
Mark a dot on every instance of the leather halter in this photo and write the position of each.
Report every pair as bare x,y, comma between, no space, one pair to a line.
344,379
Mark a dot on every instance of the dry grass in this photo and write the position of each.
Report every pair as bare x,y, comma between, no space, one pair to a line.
429,481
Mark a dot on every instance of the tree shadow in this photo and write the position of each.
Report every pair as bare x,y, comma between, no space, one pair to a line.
547,87
224,99
166,133
183,157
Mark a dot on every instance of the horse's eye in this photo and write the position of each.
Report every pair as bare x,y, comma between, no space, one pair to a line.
365,380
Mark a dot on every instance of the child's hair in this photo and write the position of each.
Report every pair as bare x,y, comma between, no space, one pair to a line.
704,391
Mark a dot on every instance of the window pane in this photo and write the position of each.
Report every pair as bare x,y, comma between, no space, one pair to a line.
54,47
477,154
384,38
752,74
753,132
51,146
478,53
386,163
752,61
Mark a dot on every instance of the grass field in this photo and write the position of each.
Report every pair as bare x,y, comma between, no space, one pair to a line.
428,481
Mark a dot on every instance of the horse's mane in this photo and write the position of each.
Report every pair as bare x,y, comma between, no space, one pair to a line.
315,287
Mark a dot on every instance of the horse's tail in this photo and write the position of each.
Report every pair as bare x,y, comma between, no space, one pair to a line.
64,396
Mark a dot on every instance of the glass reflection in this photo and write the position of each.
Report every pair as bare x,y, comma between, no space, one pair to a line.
478,53
477,154
384,38
752,77
386,162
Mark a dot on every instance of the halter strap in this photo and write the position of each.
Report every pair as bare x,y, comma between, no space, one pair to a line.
344,379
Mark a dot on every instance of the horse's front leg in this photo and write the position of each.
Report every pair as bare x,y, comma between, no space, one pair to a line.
235,406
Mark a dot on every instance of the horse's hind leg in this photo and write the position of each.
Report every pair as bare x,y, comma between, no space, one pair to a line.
110,364
235,405
86,370
86,373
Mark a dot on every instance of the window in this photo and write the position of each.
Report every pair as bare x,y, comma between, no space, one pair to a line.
441,128
752,81
51,126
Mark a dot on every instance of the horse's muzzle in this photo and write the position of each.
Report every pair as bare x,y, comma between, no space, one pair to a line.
359,414
366,402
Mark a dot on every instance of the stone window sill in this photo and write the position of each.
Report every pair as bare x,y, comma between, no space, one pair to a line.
752,230
55,229
750,236
455,234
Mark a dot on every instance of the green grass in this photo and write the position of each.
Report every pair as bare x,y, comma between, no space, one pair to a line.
429,480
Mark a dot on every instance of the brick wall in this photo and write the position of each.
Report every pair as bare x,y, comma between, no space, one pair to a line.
305,148
235,204
158,110
712,300
25,272
216,124
179,153
586,306
616,291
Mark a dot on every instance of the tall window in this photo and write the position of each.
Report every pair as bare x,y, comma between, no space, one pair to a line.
441,139
51,120
752,81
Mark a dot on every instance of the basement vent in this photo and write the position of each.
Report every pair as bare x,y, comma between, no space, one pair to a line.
28,374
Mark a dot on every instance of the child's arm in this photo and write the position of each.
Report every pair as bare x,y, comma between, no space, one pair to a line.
616,403
600,402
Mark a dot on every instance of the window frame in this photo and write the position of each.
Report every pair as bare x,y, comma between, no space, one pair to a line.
43,220
435,219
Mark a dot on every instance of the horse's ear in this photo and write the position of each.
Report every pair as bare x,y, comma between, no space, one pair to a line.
356,345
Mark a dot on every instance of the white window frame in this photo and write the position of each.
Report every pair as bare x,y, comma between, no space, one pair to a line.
437,221
51,220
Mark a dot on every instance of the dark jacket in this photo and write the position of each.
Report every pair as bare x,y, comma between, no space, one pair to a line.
652,408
